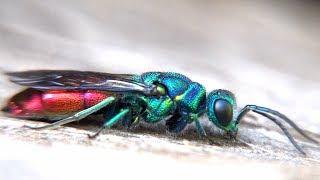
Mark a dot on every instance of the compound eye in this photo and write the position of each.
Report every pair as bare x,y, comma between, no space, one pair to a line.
223,111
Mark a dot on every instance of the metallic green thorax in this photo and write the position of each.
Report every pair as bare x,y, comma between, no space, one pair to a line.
192,101
183,96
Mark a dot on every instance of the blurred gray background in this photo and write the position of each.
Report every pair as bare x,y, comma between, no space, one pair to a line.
266,52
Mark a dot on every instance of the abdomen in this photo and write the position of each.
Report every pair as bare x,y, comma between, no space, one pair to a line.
52,104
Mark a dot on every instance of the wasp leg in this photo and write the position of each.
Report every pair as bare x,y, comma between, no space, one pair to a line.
131,122
202,133
78,116
109,123
128,120
176,124
136,121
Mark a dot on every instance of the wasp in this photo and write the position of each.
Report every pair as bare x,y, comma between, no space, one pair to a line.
64,96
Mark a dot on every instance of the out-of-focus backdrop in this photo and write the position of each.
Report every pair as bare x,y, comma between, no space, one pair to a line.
266,52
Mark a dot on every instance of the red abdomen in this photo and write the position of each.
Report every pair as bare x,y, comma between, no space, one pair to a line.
52,104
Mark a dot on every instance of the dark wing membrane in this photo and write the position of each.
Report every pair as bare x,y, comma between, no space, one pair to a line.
79,80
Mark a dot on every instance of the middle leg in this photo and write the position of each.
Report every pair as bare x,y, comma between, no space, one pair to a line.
110,122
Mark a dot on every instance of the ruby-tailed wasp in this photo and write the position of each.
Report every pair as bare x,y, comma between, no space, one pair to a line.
67,96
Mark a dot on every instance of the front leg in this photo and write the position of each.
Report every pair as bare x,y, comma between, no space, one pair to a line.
202,133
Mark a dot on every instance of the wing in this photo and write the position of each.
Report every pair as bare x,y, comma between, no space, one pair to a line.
80,80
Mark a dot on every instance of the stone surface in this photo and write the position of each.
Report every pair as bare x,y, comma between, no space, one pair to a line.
266,53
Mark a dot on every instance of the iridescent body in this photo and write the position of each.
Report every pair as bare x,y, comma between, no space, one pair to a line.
67,96
181,96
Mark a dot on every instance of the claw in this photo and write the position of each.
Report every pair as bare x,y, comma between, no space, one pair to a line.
232,135
95,134
92,136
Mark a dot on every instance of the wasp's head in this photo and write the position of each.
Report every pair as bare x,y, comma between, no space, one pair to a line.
221,111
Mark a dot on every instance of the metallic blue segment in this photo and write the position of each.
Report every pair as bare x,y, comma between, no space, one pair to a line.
193,99
150,78
228,96
176,75
175,83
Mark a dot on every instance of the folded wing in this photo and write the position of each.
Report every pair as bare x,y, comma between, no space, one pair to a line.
79,80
